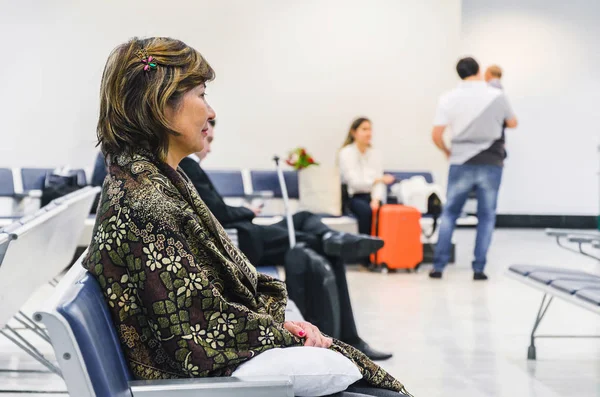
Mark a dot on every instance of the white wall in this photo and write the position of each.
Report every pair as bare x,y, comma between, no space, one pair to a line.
550,53
289,73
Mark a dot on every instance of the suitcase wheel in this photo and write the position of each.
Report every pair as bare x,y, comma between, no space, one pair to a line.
378,267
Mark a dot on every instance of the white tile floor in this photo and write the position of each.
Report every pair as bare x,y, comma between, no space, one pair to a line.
456,337
451,337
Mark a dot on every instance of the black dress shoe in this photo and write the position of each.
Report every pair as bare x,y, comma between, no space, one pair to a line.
350,246
435,274
479,276
370,352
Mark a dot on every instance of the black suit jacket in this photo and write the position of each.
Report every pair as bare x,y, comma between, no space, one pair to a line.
240,218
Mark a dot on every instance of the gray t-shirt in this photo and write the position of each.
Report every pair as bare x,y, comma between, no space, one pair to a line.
475,114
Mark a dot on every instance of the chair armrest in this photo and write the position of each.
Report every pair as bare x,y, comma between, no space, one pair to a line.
572,232
215,387
34,194
264,194
583,239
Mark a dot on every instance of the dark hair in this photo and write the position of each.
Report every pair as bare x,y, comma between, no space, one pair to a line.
353,127
212,122
467,67
134,96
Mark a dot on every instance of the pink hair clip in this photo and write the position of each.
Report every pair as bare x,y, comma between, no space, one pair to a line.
149,64
149,61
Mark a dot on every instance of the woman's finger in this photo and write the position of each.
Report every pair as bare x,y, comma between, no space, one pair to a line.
295,329
311,337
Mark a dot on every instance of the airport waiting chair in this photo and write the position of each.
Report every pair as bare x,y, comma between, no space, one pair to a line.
91,360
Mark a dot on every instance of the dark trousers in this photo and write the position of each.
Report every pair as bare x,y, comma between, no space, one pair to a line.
360,206
310,230
362,388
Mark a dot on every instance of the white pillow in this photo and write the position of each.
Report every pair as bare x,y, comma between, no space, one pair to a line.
314,371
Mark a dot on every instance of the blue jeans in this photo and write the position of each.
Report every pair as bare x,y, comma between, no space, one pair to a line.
462,179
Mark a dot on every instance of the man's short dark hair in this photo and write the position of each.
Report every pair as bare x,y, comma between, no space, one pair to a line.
467,67
212,122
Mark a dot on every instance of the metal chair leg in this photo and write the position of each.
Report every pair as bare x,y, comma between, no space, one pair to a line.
531,351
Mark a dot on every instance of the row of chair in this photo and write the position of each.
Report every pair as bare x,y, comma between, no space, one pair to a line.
238,183
571,285
33,251
17,182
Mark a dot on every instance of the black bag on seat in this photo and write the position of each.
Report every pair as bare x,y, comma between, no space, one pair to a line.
311,285
56,186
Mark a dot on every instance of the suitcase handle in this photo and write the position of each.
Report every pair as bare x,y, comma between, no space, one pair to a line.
286,203
376,220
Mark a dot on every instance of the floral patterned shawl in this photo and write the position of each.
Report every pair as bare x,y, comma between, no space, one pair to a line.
185,301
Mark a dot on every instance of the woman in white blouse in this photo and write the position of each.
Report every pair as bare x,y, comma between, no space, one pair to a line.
361,168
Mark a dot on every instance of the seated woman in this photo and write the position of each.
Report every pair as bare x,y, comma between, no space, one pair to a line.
361,168
184,300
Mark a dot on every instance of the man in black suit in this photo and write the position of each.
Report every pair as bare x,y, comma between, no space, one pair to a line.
267,245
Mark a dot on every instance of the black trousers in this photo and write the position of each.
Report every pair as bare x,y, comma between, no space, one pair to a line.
310,230
362,388
360,206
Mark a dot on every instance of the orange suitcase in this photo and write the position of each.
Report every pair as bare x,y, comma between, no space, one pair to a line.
399,227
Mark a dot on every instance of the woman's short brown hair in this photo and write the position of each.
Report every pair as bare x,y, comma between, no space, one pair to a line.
134,98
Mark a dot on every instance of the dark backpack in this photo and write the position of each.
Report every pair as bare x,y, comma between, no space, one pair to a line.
56,186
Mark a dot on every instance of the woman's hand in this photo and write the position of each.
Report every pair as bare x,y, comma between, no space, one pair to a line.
375,204
311,334
388,179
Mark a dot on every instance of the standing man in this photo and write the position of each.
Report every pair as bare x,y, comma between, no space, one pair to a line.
475,114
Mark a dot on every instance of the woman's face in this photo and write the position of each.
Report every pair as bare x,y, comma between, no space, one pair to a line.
363,133
190,119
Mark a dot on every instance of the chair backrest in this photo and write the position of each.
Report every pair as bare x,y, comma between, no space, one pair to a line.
229,183
401,175
33,178
4,241
23,268
84,338
81,177
43,245
7,184
71,226
268,181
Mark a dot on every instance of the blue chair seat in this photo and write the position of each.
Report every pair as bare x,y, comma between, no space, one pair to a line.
524,270
572,286
589,295
549,277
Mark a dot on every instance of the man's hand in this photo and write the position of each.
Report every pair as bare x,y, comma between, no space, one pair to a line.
437,134
256,209
311,334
